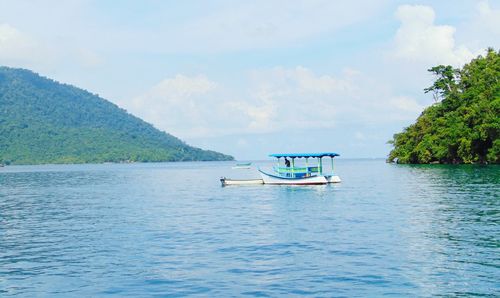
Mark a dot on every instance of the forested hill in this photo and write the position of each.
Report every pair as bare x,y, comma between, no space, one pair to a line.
43,121
463,126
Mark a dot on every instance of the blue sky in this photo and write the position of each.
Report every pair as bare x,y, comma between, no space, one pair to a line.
253,77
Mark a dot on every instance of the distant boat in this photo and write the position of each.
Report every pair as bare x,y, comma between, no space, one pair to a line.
289,174
246,165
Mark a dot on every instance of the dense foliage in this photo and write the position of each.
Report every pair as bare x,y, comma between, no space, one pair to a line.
43,121
463,126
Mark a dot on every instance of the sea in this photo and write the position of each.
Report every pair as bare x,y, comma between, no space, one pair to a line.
172,230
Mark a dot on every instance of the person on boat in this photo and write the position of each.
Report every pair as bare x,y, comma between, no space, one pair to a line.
287,163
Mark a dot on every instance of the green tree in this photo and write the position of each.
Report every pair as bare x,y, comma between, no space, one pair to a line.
463,126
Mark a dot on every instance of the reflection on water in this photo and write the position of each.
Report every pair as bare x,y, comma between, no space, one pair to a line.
170,229
459,222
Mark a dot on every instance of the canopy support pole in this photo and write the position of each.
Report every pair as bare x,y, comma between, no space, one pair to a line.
293,167
307,167
332,165
320,166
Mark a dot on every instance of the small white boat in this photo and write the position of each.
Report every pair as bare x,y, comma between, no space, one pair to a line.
303,175
247,165
225,181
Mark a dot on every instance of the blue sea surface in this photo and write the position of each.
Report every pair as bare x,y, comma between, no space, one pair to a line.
170,229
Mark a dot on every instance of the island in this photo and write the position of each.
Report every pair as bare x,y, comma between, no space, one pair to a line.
43,121
463,125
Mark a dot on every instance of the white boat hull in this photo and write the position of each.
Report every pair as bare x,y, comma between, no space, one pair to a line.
275,180
314,180
333,179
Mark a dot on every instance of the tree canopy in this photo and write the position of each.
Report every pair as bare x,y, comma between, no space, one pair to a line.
463,126
43,121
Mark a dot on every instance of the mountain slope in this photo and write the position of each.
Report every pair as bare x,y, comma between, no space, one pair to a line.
464,127
43,121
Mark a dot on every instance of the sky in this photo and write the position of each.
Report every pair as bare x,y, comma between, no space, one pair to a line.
250,78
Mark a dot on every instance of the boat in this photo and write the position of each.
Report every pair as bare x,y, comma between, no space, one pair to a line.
290,174
226,181
246,165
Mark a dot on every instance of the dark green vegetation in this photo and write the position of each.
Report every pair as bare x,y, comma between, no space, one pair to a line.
43,121
463,126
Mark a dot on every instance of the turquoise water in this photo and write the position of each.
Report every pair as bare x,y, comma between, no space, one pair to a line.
170,229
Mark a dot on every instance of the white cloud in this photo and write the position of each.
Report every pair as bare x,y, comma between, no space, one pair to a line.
406,104
419,39
182,87
483,29
304,98
181,105
489,17
291,98
15,47
298,98
279,99
21,49
307,81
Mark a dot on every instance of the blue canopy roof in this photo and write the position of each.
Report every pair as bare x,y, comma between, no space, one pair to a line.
300,155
